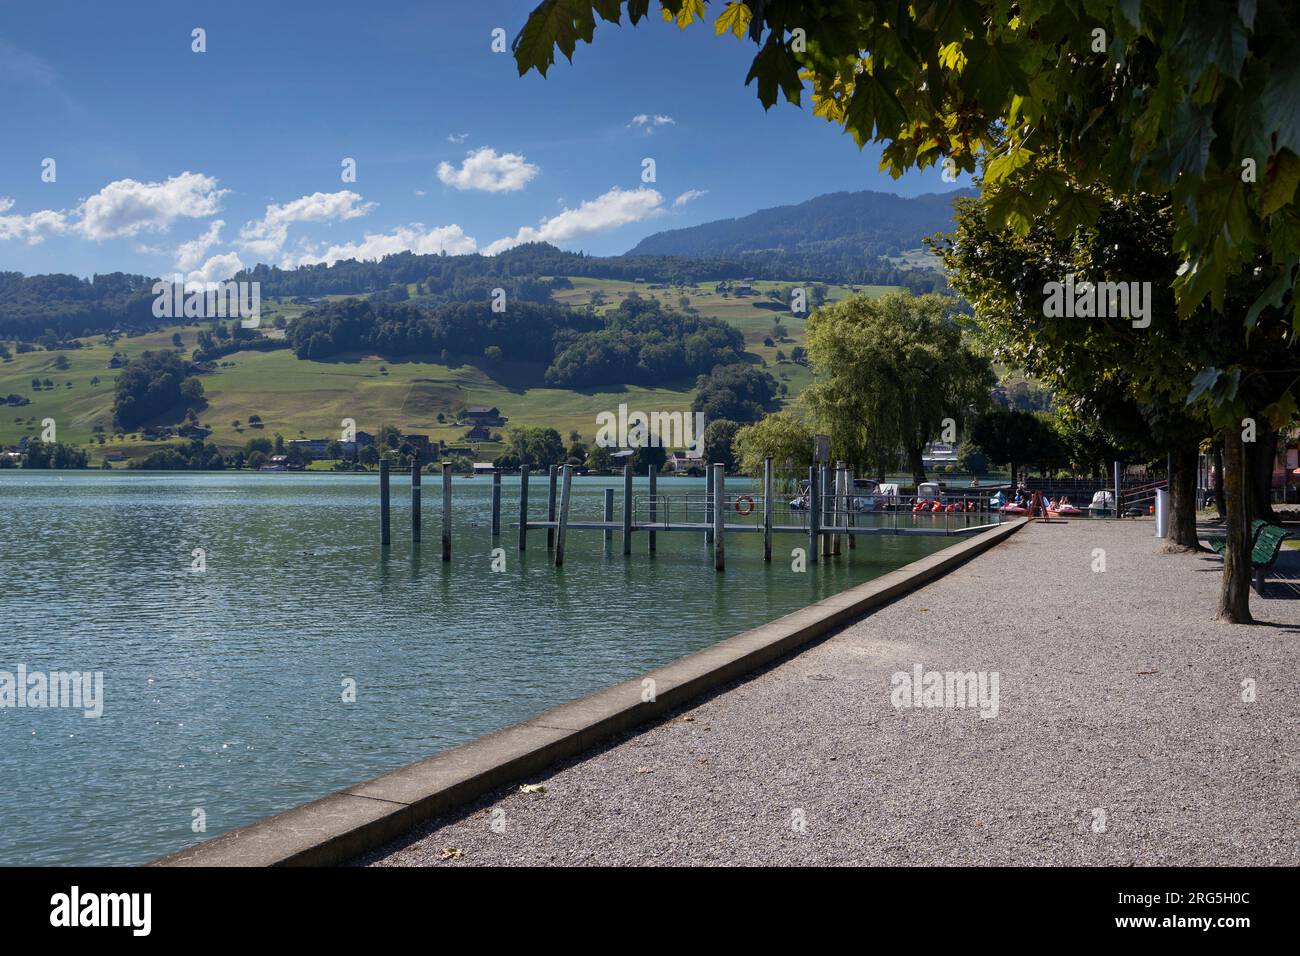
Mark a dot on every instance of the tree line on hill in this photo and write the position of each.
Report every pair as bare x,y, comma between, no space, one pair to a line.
640,342
465,277
58,307
63,306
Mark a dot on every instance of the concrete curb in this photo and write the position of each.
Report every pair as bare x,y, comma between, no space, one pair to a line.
345,824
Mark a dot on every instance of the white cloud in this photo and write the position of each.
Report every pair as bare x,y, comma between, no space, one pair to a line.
33,228
127,207
687,196
421,193
648,121
266,237
457,137
216,269
484,169
615,208
190,254
413,238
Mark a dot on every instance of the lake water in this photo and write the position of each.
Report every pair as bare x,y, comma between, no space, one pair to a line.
223,689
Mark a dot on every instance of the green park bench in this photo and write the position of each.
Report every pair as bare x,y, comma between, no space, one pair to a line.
1219,542
1264,555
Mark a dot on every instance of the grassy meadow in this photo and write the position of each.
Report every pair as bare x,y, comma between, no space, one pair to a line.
307,399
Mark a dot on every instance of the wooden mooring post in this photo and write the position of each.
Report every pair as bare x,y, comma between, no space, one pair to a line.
852,518
828,503
719,519
384,538
708,505
767,509
446,511
814,505
838,509
652,472
550,509
496,502
415,499
608,533
563,530
523,508
627,509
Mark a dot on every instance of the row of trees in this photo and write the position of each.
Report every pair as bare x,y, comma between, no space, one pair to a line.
43,454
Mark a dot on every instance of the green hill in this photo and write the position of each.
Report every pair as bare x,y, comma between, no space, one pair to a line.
302,398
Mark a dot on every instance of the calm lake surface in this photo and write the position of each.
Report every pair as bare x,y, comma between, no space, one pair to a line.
223,689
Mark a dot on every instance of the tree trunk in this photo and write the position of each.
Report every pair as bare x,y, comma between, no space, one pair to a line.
1182,500
1218,477
1014,472
917,463
1234,592
1263,455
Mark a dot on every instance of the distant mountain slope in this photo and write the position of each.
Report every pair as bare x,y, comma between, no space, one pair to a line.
864,223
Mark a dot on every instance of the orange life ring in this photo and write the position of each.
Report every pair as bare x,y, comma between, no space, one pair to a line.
749,501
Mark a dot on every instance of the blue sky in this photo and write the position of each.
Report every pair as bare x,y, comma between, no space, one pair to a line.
155,145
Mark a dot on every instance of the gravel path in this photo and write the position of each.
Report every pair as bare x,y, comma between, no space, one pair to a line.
1121,735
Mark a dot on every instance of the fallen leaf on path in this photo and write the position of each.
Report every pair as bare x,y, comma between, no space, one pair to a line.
532,788
451,853
644,770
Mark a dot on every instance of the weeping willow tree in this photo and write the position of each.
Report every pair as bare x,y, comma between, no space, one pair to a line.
892,374
786,438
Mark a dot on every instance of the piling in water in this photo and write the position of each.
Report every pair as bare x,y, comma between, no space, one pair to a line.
523,508
838,509
767,509
708,505
608,533
627,509
719,519
828,502
848,490
562,532
550,509
496,502
383,502
653,474
415,499
813,503
446,511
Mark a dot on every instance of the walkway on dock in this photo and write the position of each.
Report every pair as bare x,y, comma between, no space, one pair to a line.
1121,735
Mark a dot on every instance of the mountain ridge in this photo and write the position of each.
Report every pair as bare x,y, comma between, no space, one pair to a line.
867,223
